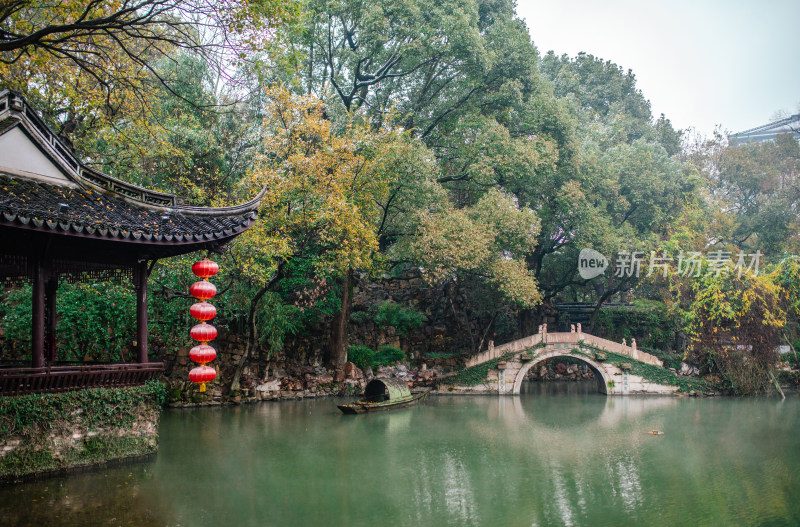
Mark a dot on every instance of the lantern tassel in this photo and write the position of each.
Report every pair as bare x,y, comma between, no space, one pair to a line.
202,387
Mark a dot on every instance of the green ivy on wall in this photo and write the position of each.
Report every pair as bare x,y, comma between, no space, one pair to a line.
96,408
476,374
38,424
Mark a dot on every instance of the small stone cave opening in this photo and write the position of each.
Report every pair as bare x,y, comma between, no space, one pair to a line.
563,376
560,369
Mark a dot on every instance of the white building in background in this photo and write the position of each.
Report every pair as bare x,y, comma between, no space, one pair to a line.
767,132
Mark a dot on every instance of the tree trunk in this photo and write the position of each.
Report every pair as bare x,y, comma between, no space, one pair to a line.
466,323
593,319
252,329
775,382
486,332
252,337
338,347
791,347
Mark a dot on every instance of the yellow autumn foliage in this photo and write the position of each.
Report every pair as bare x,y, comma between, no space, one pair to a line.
323,189
489,239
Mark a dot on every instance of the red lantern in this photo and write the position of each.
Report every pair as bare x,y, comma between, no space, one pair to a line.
203,332
202,353
202,375
205,268
203,290
203,311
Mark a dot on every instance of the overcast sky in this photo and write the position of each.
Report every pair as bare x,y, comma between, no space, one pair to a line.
702,63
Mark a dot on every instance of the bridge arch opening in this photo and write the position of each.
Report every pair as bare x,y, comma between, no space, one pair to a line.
601,377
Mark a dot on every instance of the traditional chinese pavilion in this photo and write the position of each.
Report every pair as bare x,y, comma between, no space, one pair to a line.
60,219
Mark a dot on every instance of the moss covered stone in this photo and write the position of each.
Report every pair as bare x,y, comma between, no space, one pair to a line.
45,432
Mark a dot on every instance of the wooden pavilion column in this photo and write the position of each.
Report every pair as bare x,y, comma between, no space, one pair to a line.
140,281
37,319
50,288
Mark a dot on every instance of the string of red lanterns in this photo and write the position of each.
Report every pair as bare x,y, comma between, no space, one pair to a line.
203,332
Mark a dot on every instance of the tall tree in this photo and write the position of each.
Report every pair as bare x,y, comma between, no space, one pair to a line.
198,145
625,190
424,59
600,91
734,323
321,207
488,240
755,189
85,63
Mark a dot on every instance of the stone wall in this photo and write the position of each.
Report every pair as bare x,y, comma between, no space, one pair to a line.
555,370
43,433
299,382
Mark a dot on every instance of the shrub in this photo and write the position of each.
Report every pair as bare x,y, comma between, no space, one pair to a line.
734,323
476,374
441,355
387,355
360,317
399,317
670,359
361,356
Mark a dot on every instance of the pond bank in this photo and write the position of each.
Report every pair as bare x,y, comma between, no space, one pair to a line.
300,383
44,434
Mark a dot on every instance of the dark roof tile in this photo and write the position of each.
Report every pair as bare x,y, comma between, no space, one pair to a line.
79,210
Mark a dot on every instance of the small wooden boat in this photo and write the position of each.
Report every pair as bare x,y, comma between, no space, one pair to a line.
384,394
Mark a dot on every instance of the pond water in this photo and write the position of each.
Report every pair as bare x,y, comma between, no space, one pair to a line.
558,454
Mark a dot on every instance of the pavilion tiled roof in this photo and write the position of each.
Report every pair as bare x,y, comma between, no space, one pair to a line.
46,189
28,203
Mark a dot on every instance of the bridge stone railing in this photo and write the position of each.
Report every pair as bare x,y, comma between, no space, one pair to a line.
498,351
576,336
622,349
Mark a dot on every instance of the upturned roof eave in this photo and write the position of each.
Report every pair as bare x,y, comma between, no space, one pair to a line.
112,234
13,106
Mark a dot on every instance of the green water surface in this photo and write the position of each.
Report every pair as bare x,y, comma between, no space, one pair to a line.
558,454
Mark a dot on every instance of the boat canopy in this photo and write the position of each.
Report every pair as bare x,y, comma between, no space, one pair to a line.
378,390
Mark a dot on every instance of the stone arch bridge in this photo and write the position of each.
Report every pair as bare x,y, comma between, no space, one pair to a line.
519,356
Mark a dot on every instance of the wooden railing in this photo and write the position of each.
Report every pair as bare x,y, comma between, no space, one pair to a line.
19,381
